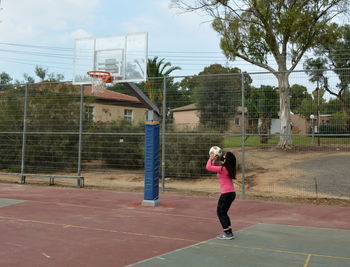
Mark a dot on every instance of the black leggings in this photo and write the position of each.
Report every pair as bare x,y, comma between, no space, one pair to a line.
224,205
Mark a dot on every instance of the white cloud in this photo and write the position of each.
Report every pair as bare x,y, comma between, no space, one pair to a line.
80,33
76,34
42,20
139,24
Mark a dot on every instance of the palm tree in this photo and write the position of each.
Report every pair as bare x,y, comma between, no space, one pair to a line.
155,70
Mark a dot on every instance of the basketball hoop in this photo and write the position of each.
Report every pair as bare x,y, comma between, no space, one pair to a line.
99,79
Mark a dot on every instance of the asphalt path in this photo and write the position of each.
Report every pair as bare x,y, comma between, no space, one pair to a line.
331,175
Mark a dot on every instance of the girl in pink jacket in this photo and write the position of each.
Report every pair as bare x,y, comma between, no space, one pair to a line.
225,173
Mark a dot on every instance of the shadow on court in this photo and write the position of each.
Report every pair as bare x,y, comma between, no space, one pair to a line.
52,226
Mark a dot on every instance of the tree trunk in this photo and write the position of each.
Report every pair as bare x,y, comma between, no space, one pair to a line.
285,132
346,108
265,125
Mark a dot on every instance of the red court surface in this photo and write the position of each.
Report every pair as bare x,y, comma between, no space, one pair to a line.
57,226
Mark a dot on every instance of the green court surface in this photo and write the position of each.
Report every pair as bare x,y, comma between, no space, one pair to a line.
265,245
6,202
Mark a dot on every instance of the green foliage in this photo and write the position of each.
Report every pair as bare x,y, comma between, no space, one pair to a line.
156,69
48,113
307,107
263,104
251,141
254,141
328,56
5,80
298,94
11,124
40,72
52,138
268,27
215,102
315,69
311,106
44,75
53,108
123,147
333,106
333,130
187,154
217,95
338,118
283,29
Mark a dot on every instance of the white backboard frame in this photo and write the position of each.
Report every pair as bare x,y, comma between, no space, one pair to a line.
125,56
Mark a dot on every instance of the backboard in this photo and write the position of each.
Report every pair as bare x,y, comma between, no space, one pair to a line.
124,56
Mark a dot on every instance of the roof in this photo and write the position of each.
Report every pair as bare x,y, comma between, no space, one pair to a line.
110,95
106,96
186,108
194,107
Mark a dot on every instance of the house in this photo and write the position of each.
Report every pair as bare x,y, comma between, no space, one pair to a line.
187,117
299,125
110,106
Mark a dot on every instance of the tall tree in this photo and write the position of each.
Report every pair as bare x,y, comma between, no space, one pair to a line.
298,93
263,105
40,72
218,94
51,77
5,80
253,30
312,105
333,54
157,69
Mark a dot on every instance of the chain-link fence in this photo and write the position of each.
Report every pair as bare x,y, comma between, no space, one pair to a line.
62,130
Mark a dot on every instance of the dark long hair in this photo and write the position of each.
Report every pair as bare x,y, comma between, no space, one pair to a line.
230,164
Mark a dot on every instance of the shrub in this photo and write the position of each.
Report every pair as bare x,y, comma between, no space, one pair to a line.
118,144
186,154
333,130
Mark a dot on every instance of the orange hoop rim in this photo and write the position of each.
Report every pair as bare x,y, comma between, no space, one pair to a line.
99,74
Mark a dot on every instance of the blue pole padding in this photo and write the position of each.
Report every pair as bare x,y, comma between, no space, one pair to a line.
151,190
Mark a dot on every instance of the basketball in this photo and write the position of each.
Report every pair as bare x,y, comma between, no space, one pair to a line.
215,151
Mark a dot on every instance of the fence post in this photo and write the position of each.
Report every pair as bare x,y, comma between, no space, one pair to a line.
316,187
163,133
80,129
24,135
243,136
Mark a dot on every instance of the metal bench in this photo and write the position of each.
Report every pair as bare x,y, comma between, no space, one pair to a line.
23,177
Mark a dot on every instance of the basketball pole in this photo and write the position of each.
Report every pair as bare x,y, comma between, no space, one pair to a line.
152,147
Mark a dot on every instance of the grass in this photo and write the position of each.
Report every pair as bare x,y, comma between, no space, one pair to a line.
254,141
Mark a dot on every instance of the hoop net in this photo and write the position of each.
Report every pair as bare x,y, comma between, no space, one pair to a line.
99,80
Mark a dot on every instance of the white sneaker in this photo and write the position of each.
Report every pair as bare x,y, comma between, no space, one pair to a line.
226,236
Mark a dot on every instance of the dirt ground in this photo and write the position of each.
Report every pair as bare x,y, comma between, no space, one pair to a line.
269,174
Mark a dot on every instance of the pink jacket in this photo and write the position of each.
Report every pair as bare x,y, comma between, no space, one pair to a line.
226,183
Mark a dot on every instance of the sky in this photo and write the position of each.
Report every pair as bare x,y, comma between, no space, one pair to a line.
185,40
43,32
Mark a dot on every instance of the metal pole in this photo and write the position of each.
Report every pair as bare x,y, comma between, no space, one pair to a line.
318,114
163,133
80,128
24,134
243,137
312,130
